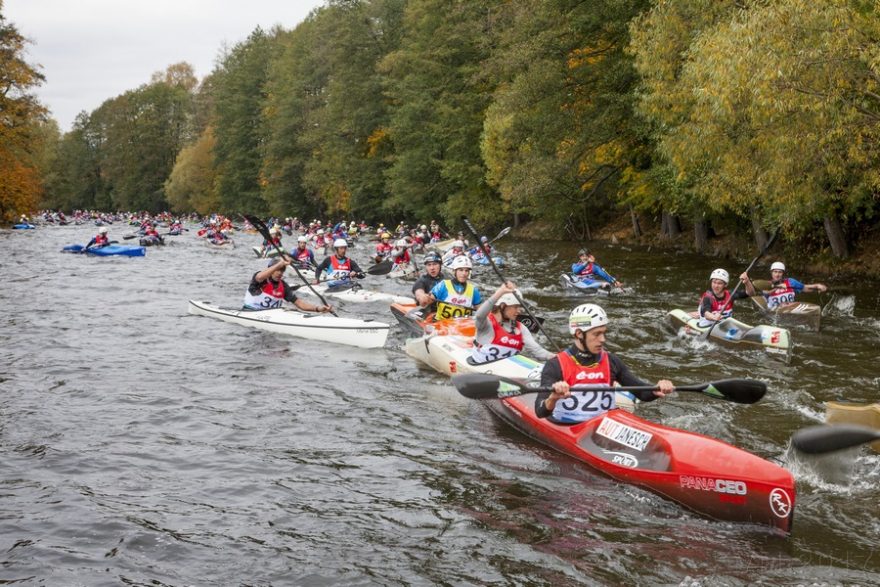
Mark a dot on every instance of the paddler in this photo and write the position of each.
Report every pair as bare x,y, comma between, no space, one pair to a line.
717,303
302,254
274,240
586,362
338,267
499,334
586,270
269,290
383,248
784,289
456,297
400,254
456,250
99,240
423,286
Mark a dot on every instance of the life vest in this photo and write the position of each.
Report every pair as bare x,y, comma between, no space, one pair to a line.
783,293
271,296
339,269
456,305
504,344
382,249
725,303
584,405
101,240
402,259
304,256
587,271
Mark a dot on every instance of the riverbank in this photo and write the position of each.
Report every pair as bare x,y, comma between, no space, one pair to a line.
802,256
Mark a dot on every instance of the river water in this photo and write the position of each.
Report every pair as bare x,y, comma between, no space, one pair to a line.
140,445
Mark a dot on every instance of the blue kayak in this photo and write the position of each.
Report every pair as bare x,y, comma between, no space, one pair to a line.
588,286
24,227
109,250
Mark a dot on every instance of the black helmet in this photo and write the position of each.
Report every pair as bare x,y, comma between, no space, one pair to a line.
431,258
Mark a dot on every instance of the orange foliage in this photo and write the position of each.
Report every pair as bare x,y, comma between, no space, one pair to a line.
20,187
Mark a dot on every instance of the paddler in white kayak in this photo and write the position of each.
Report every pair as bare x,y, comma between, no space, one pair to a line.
338,267
783,289
456,250
99,240
499,334
587,271
457,297
586,362
268,290
302,254
716,302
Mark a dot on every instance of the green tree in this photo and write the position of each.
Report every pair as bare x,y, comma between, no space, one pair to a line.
191,185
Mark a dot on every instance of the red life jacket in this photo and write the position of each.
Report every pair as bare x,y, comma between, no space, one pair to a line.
101,240
584,404
504,344
725,303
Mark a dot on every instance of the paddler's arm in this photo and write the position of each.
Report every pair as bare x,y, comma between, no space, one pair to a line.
551,376
621,374
597,269
322,267
266,273
750,288
356,269
485,333
532,349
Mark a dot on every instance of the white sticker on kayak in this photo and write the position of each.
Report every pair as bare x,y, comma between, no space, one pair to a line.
623,434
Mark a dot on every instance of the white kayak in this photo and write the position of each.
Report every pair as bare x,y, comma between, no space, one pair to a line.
366,334
404,271
732,333
358,294
450,355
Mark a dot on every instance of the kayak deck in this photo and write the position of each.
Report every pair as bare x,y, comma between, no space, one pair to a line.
732,333
854,413
701,473
323,327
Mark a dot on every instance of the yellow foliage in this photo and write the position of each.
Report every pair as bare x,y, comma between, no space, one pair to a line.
20,186
375,141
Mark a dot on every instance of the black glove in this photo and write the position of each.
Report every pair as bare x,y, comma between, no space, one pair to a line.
360,275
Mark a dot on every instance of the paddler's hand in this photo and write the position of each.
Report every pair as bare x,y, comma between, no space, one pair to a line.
664,388
561,390
323,309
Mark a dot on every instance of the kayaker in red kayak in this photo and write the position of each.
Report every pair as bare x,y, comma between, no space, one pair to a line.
268,290
716,303
586,363
421,289
457,297
499,334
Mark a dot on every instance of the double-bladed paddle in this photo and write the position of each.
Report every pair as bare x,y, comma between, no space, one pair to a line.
764,249
534,320
503,232
264,231
485,386
824,439
381,268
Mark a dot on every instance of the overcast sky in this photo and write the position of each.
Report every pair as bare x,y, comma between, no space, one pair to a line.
93,50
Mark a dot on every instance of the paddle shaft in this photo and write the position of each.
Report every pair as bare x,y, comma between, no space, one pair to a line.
761,253
503,280
499,235
264,231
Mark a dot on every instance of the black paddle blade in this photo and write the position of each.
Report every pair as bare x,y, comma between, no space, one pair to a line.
338,287
485,386
741,391
128,236
822,439
259,225
383,268
534,326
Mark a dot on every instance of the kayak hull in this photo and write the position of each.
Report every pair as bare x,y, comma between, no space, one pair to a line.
348,331
108,251
794,314
731,333
593,287
853,413
23,227
359,295
701,473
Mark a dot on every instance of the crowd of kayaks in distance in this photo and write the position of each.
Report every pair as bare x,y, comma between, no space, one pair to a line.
578,400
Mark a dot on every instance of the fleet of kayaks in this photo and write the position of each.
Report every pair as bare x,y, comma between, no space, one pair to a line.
854,413
108,251
366,334
701,473
589,286
730,332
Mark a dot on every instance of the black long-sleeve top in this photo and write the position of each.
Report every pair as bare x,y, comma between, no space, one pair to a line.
620,373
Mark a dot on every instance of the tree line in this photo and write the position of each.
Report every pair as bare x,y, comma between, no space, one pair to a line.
706,115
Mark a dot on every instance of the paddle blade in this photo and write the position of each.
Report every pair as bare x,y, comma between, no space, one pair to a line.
485,386
259,225
534,326
128,236
741,391
383,268
823,439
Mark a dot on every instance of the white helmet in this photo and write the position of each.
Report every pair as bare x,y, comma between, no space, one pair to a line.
103,230
778,265
462,262
423,227
457,245
508,299
720,274
401,243
586,317
340,242
273,230
302,239
320,231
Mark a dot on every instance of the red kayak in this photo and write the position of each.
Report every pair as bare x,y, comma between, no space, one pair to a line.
703,474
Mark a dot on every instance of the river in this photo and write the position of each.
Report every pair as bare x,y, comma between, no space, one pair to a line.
141,445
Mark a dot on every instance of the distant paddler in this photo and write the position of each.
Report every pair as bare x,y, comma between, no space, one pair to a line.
586,363
783,289
455,251
587,271
716,303
274,241
457,297
268,290
383,247
302,255
99,240
499,333
338,266
422,287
